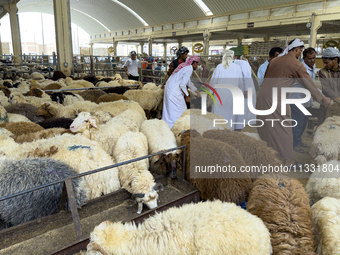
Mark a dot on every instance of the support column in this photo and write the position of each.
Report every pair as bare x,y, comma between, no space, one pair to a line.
316,24
179,41
62,20
91,48
1,53
137,50
115,45
165,46
206,39
239,39
141,46
150,46
266,38
16,41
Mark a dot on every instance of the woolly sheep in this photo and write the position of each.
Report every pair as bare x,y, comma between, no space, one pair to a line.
203,228
53,86
326,221
117,107
118,90
253,135
77,151
18,98
37,76
283,205
56,123
26,110
22,89
3,99
228,187
12,117
5,90
254,152
111,97
150,86
324,182
43,134
20,175
19,128
72,99
107,134
135,177
3,115
161,138
92,95
326,141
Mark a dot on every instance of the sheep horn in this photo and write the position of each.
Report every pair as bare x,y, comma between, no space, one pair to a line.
158,186
140,195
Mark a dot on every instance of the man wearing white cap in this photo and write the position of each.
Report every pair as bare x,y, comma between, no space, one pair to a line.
330,78
132,67
282,72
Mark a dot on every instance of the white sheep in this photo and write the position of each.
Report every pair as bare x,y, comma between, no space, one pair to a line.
202,228
77,151
117,107
3,99
200,123
326,141
324,182
23,88
150,86
135,177
107,134
326,221
161,138
37,76
70,99
18,98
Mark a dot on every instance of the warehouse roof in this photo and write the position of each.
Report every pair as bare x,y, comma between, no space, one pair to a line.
100,16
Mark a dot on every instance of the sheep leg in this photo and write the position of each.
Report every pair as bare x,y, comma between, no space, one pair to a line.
140,207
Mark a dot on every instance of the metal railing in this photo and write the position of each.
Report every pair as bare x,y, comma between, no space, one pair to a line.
68,191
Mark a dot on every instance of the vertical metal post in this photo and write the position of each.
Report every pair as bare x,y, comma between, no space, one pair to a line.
184,162
74,210
42,31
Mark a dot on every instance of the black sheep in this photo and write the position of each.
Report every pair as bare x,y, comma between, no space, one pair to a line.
118,90
56,123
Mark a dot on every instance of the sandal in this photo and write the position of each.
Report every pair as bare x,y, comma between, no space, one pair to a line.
302,144
299,149
296,166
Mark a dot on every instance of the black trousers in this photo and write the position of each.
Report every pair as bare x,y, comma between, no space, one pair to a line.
131,77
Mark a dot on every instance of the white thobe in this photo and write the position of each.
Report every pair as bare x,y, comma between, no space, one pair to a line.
231,76
247,83
174,103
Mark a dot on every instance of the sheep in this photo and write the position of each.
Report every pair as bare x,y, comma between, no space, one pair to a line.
112,97
107,134
147,99
26,110
199,123
6,91
254,152
326,221
58,75
150,86
253,135
19,128
12,117
283,205
117,107
43,134
34,92
118,90
160,138
201,153
18,98
202,228
20,175
3,115
56,123
135,177
37,76
326,141
22,89
50,110
92,95
71,99
102,84
78,84
334,108
77,151
324,182
52,86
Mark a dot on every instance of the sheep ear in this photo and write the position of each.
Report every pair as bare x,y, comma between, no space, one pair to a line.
158,186
93,121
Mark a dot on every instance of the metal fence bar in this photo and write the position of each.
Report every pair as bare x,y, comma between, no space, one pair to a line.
60,90
87,173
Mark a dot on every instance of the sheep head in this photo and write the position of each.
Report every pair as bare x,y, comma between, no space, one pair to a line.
150,198
83,122
16,98
46,111
168,162
34,92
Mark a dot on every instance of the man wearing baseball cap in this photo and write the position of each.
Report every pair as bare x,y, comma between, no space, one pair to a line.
329,78
132,67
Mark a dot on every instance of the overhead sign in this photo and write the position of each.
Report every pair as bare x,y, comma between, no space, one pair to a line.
250,24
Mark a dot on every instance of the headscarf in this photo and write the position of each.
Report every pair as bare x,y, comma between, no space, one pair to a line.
186,63
228,57
330,53
296,43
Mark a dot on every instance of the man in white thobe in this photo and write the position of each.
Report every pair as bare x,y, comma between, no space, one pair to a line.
176,94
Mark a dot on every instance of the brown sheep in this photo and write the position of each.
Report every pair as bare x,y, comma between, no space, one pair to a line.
52,86
208,152
6,91
92,95
35,92
283,205
19,128
334,109
110,98
254,152
27,110
43,134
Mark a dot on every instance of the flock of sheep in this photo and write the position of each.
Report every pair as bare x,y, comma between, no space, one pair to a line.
47,136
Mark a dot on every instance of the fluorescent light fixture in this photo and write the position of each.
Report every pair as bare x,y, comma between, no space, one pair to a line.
91,18
203,7
130,10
